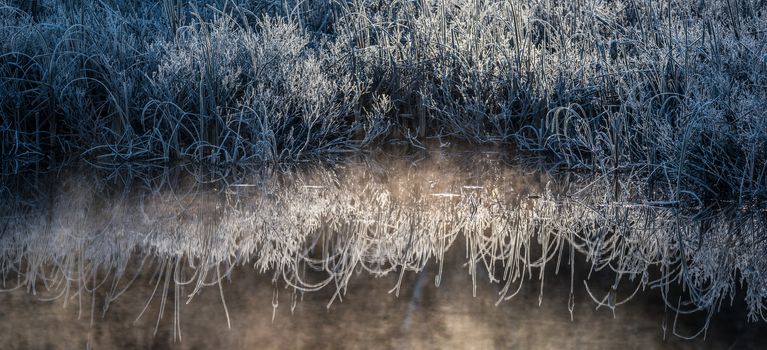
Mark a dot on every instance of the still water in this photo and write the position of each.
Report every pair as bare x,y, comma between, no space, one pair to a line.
426,251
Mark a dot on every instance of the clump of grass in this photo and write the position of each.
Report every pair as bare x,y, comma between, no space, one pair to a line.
676,90
109,81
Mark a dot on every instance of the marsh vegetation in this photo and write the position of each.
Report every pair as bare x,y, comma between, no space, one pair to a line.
673,89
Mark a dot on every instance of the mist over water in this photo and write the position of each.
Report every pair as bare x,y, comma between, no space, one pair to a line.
427,251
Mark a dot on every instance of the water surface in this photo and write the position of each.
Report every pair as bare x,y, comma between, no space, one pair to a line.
426,251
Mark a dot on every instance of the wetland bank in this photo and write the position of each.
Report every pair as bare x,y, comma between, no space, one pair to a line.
594,155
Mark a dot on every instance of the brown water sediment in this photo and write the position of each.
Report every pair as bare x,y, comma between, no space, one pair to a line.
447,316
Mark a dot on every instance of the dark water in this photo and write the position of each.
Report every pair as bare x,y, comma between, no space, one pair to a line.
423,316
436,251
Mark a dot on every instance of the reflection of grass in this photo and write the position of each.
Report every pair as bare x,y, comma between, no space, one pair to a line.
320,228
674,90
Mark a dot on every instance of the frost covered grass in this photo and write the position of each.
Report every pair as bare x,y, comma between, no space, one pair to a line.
673,89
320,228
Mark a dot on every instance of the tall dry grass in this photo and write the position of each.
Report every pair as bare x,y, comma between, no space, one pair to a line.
659,100
674,89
